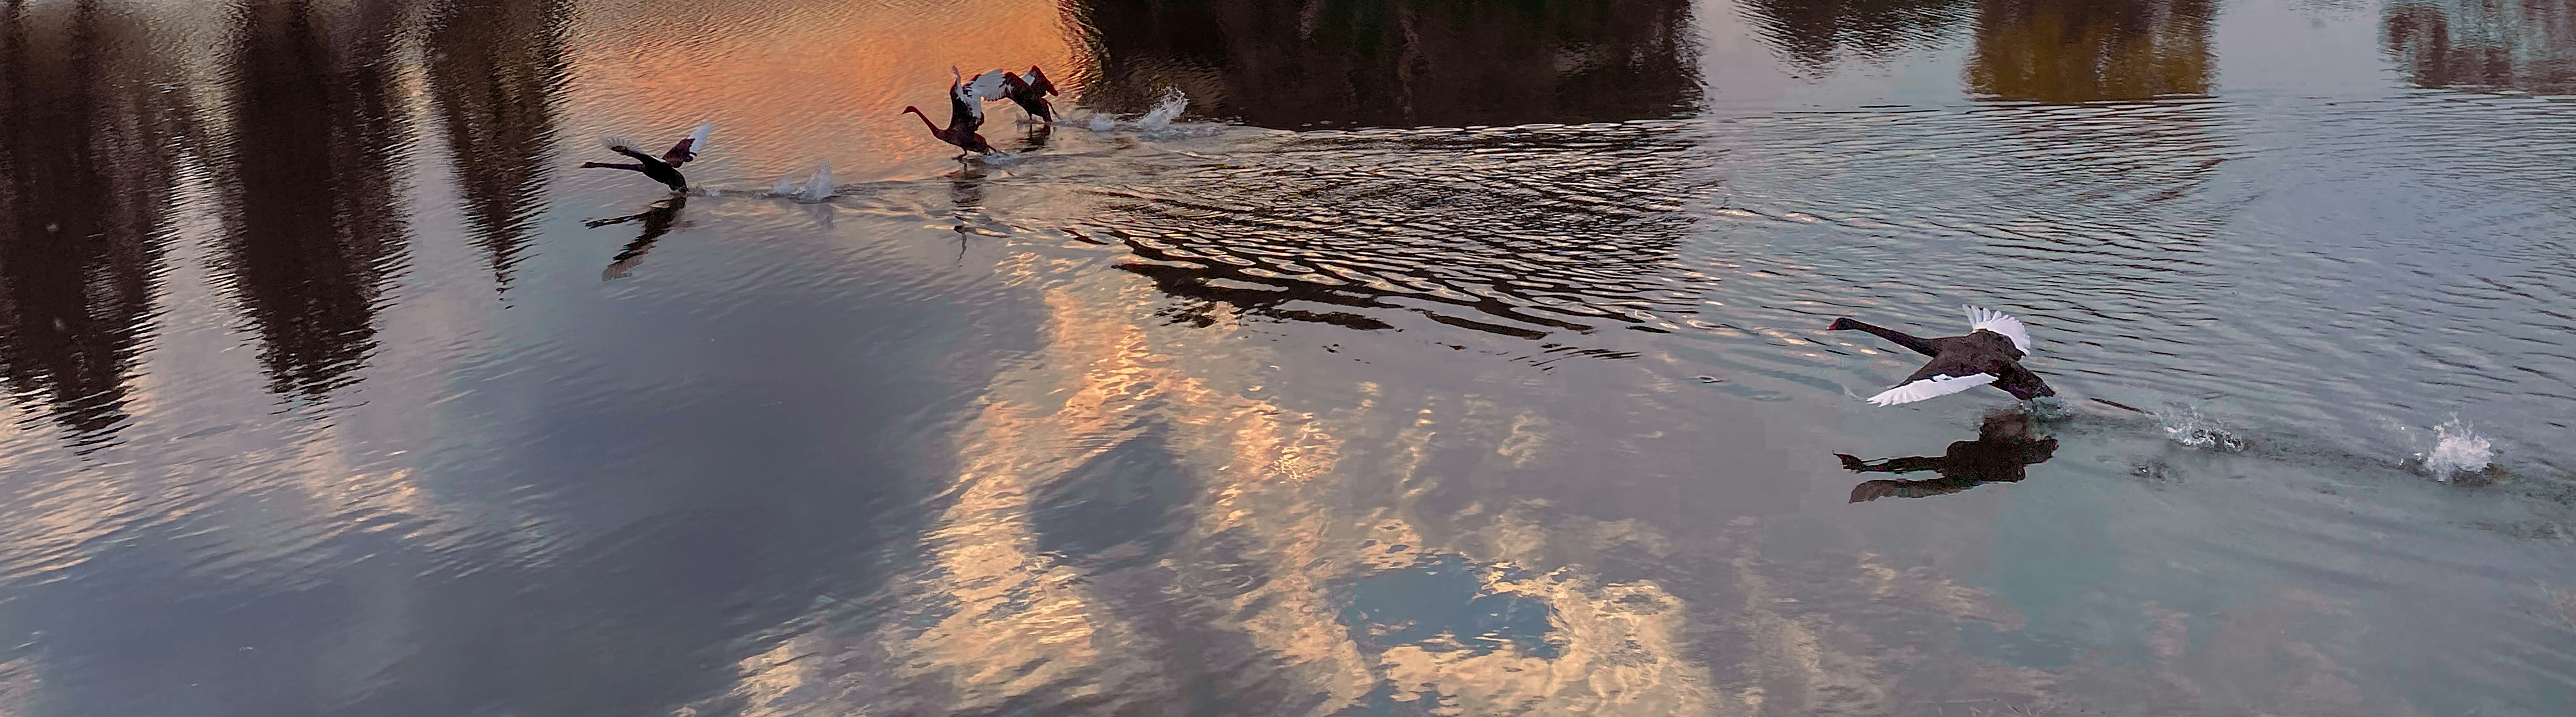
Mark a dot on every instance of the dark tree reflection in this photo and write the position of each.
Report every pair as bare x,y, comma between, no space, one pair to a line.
1402,63
314,227
2091,50
1814,35
494,69
2511,44
87,133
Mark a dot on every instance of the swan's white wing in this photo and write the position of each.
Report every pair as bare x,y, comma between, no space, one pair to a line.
698,137
987,86
1929,387
689,147
2001,323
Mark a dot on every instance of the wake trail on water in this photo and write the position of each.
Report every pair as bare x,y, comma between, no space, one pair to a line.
2186,425
2457,452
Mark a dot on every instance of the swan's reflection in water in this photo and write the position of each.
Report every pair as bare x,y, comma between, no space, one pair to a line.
2004,447
657,221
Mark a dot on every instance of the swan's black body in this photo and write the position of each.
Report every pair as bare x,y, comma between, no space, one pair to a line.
1979,352
665,168
963,119
1031,93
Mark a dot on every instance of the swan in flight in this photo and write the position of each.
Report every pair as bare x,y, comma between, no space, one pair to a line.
666,168
1990,353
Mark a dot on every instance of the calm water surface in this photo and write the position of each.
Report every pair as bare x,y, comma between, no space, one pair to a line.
1440,358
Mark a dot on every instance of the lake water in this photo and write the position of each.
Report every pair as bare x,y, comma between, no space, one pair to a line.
1438,358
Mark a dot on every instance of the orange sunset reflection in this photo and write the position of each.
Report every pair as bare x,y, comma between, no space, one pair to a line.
789,84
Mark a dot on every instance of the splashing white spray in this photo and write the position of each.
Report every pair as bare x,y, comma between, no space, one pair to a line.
816,188
820,186
1165,110
2187,426
2457,450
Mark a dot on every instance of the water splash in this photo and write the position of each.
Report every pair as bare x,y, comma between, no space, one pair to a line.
614,141
1165,110
2457,451
820,186
816,188
1158,119
2188,426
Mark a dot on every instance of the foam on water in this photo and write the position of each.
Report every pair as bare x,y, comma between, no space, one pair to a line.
2188,426
1165,110
820,186
2457,451
1158,119
816,188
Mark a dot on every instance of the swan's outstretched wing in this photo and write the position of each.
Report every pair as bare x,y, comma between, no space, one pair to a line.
965,114
2001,323
965,109
689,147
1038,81
986,87
1929,387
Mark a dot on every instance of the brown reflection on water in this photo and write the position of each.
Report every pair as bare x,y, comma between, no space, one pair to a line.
494,67
2091,50
315,229
1408,63
2515,44
789,83
89,132
1814,35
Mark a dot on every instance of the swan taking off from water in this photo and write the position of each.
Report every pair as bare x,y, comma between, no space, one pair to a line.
1030,92
1991,353
965,110
666,168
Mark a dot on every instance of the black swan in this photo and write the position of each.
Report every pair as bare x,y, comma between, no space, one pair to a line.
1031,92
1990,353
666,168
965,111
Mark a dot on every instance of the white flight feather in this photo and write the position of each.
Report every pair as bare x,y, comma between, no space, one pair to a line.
1929,387
698,137
987,86
2001,323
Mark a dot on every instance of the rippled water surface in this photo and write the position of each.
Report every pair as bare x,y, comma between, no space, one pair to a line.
1434,358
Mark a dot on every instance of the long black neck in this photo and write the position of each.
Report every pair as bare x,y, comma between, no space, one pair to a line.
1901,338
